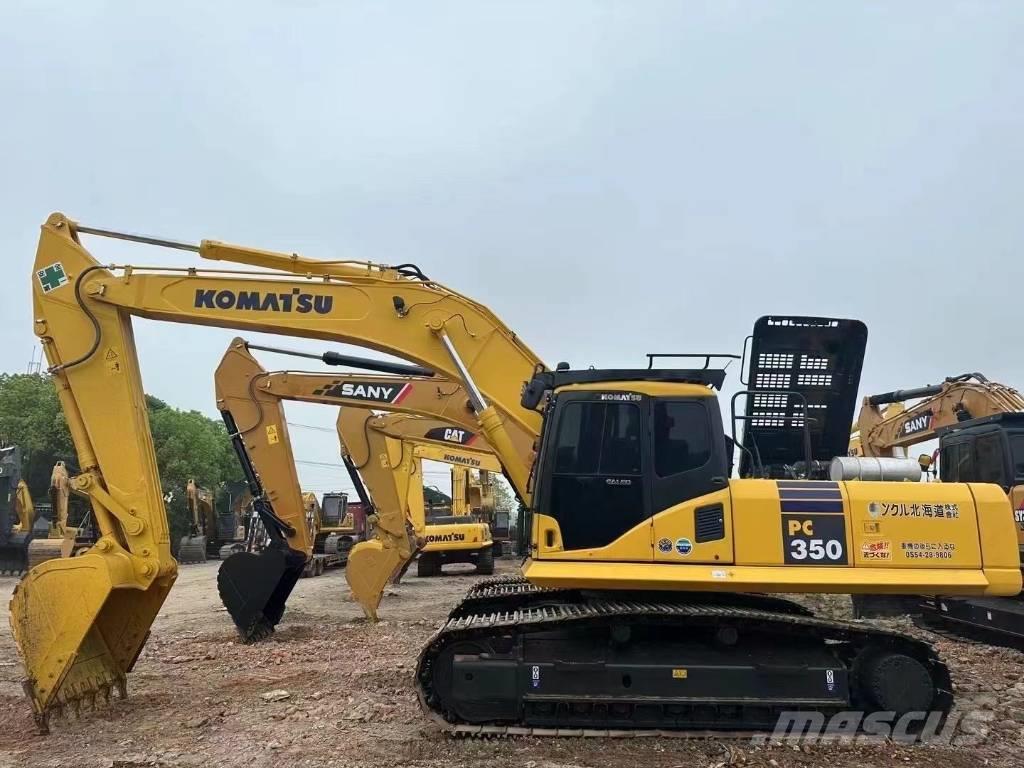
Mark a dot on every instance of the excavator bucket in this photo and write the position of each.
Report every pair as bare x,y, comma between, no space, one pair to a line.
79,624
371,567
255,587
41,550
14,553
192,549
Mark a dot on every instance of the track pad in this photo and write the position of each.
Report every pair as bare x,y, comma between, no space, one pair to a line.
254,588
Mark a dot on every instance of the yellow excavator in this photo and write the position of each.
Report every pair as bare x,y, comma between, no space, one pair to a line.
61,539
339,530
388,453
641,600
887,432
250,399
17,513
980,427
202,524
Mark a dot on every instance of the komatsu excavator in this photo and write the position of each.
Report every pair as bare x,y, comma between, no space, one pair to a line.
635,608
388,452
980,427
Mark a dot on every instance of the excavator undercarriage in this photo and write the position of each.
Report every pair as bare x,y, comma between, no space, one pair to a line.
512,659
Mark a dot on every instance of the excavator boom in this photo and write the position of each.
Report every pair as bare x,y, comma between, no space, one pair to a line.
79,623
882,432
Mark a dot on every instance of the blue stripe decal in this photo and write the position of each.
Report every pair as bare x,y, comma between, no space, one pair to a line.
824,507
815,493
806,484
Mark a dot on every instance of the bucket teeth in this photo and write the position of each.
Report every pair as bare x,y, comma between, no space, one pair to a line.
42,722
257,631
82,700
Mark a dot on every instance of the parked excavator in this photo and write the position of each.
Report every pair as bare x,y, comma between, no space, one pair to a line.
250,398
980,427
636,607
17,513
890,431
388,452
338,531
59,538
202,524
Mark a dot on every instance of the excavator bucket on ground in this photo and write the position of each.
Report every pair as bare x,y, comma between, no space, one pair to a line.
255,587
371,567
192,549
80,624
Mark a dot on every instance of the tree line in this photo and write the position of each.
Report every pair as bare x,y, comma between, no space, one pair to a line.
188,444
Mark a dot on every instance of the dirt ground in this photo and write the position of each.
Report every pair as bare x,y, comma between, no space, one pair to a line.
196,697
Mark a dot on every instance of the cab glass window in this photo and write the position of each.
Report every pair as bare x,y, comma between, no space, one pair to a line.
988,453
599,439
597,490
682,440
948,463
1017,448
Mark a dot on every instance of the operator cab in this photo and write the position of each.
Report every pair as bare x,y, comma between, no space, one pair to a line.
619,446
986,450
333,509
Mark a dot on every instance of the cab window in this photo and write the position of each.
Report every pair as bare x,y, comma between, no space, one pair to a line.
688,462
597,488
949,463
988,452
599,438
1017,450
682,440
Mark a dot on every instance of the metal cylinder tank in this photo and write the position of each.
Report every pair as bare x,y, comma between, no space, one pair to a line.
874,468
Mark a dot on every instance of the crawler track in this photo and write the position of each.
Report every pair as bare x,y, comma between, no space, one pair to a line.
739,661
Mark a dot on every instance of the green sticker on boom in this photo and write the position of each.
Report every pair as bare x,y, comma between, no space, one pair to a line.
51,277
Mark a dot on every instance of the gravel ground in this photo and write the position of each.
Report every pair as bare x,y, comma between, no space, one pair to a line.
199,698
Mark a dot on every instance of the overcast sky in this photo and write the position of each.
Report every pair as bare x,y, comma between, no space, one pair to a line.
611,178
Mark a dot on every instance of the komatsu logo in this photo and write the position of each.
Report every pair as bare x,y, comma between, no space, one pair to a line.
366,390
434,538
259,301
917,424
466,461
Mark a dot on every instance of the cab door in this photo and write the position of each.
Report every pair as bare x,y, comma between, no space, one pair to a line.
593,503
692,516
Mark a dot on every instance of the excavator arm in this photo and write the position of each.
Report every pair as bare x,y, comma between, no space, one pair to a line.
59,497
387,451
958,398
80,623
25,508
